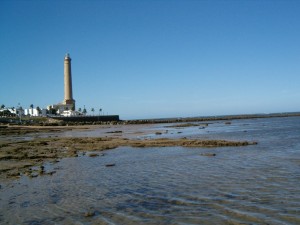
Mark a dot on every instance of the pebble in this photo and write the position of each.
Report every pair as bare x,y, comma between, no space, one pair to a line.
89,214
93,155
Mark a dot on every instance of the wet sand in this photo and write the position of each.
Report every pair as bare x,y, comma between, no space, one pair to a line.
18,157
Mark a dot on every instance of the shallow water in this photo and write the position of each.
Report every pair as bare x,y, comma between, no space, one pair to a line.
258,184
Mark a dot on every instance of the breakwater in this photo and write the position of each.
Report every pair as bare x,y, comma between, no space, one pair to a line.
211,118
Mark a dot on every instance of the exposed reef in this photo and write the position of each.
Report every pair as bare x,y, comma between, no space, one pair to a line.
18,157
24,148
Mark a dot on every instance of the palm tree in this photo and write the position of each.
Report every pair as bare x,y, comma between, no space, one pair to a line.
31,113
93,110
39,109
14,111
20,111
2,107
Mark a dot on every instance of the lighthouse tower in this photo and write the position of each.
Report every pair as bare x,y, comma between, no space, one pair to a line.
68,100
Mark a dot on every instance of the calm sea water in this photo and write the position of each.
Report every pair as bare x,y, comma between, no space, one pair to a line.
257,184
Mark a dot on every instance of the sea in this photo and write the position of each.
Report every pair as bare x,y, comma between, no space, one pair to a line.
255,184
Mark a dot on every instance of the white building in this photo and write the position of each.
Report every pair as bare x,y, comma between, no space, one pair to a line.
60,108
11,110
69,113
31,112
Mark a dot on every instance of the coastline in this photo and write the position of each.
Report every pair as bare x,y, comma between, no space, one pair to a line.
43,144
61,122
23,147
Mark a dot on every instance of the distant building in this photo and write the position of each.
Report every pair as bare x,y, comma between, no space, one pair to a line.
12,110
69,113
35,112
31,112
58,108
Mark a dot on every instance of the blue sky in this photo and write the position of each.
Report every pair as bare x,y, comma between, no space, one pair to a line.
148,59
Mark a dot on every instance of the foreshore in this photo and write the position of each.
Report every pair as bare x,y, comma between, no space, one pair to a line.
18,156
24,147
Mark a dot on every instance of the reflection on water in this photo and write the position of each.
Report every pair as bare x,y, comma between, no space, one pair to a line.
257,184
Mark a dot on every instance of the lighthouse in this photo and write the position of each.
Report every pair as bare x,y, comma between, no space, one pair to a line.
68,100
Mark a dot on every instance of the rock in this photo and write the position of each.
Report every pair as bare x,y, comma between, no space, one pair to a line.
51,173
33,175
42,170
13,175
209,154
89,213
110,165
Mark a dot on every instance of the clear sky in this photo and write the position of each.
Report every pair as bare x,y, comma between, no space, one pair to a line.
155,58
